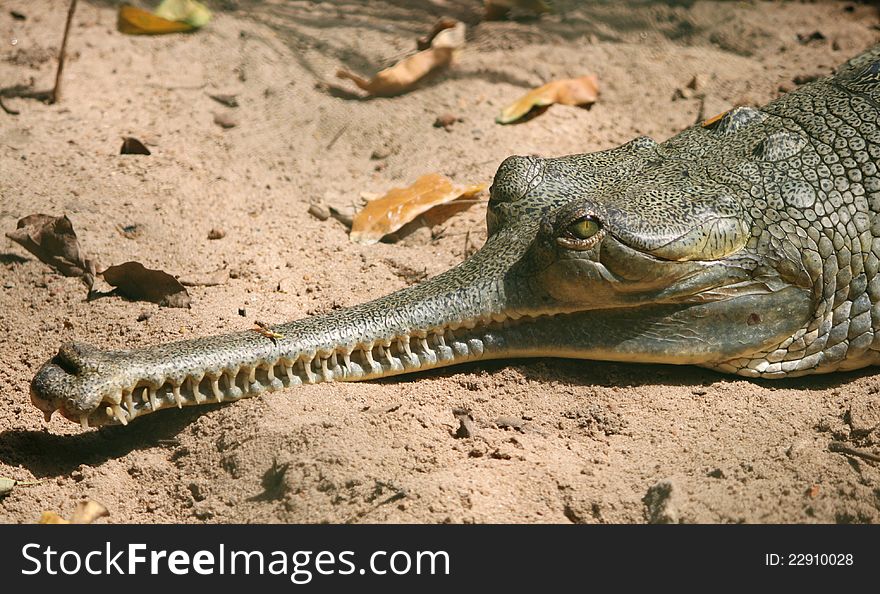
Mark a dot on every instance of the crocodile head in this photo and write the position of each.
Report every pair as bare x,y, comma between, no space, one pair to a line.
632,255
628,254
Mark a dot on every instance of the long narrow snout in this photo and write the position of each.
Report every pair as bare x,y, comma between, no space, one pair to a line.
452,318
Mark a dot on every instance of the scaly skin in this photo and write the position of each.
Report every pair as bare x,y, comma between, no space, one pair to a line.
750,245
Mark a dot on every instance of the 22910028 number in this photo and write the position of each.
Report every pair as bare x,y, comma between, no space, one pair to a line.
820,559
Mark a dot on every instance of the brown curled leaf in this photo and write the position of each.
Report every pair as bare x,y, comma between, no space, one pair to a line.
404,75
401,205
136,282
53,241
133,146
424,42
581,92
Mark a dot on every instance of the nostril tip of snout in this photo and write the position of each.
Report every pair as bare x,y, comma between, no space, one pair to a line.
44,388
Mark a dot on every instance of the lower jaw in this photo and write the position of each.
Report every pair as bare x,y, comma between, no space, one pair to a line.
385,359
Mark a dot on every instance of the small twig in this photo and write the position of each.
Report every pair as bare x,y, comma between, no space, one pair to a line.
263,329
467,243
842,448
337,137
27,91
56,90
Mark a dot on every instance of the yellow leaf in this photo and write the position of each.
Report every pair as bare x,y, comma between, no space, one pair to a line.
190,12
50,517
401,77
401,205
581,92
135,21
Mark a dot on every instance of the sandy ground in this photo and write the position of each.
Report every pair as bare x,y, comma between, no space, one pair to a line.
556,440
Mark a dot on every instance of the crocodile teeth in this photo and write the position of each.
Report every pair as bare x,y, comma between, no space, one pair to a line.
116,411
291,377
194,387
177,397
307,367
215,389
407,351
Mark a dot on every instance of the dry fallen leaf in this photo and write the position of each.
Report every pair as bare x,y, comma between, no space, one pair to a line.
8,484
136,282
133,146
442,23
54,242
401,77
498,9
136,21
401,205
86,512
171,16
714,119
50,517
191,12
581,92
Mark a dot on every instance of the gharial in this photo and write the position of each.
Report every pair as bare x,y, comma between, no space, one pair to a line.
749,244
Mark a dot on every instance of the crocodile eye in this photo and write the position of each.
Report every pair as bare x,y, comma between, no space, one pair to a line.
581,234
584,228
